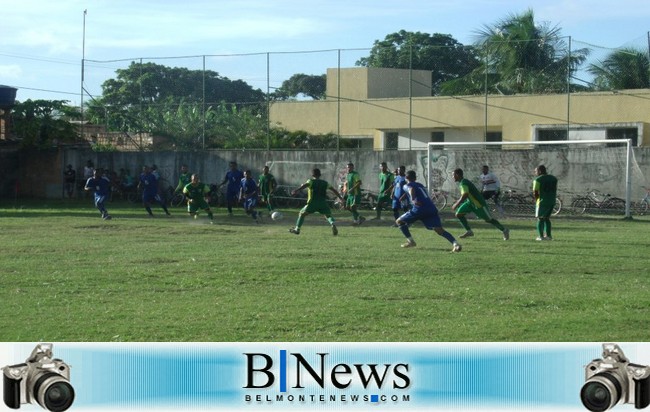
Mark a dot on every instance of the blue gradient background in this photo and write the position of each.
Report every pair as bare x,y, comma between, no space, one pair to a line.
443,376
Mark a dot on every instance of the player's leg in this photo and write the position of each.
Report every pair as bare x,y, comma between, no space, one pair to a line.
301,219
162,204
461,212
484,214
403,223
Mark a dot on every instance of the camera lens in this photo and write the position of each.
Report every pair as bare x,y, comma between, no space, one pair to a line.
53,392
600,392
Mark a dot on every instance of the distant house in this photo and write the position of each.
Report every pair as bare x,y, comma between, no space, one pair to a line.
394,109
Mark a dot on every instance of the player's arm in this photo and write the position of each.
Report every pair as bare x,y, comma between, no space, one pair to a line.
87,187
535,190
295,192
355,186
336,192
464,194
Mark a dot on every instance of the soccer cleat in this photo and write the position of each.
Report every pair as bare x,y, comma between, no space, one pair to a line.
506,234
539,238
107,217
409,244
469,233
548,238
457,247
294,231
335,231
361,219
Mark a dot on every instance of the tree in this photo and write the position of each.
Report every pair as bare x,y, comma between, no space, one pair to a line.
312,86
622,69
441,53
145,86
520,56
44,123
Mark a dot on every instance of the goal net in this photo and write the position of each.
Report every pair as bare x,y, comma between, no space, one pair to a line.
594,171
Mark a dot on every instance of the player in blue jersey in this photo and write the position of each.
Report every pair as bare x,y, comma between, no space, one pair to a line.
149,186
399,198
248,194
424,210
233,180
99,185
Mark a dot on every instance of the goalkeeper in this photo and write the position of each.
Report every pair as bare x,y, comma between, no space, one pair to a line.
545,194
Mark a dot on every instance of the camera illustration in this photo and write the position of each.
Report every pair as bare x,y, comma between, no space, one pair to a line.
40,379
613,380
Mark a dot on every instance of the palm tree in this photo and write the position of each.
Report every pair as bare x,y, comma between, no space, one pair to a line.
627,68
520,56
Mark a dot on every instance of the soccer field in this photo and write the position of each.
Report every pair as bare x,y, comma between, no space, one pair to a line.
67,275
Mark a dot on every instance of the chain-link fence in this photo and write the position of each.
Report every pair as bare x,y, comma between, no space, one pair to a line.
387,97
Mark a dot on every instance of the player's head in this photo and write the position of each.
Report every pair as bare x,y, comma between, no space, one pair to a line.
145,169
183,168
485,169
411,176
540,170
233,165
248,174
350,167
383,166
458,174
265,170
315,172
97,172
195,179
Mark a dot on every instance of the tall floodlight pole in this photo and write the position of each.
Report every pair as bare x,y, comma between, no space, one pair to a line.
83,60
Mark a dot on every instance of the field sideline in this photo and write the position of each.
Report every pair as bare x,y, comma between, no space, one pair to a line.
69,276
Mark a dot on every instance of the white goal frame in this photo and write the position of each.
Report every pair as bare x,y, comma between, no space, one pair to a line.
628,160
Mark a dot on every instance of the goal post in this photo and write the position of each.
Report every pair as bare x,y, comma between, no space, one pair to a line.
581,166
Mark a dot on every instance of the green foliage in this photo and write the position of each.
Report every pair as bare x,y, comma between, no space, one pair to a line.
44,123
622,69
441,53
231,281
313,86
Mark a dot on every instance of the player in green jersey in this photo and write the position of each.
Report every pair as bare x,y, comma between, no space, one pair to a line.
195,192
316,201
386,179
267,185
471,201
545,194
353,192
184,178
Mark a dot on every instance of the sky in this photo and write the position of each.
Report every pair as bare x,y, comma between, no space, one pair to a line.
262,42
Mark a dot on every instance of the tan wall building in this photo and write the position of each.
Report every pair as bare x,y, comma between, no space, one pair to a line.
375,107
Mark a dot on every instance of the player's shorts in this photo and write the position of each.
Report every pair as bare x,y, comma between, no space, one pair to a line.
468,207
151,197
232,194
430,220
489,194
381,199
317,207
544,209
250,203
352,201
400,204
100,200
197,204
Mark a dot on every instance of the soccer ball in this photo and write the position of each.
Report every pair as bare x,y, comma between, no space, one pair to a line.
276,215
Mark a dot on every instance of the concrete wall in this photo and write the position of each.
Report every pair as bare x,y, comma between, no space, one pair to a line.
39,174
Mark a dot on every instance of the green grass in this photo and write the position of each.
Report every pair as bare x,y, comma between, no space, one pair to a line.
66,275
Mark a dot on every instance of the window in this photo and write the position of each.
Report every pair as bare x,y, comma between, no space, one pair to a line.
391,141
494,137
544,135
438,137
624,133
